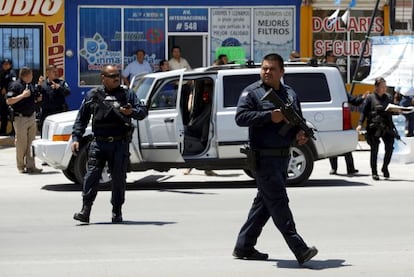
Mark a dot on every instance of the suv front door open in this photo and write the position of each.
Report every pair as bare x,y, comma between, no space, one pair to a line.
161,133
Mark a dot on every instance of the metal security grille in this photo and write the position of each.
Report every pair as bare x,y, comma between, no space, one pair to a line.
23,44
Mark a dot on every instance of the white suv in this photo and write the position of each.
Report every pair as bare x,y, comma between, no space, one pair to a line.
204,135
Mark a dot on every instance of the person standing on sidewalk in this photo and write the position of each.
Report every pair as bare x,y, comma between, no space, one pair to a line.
22,97
7,75
112,108
272,151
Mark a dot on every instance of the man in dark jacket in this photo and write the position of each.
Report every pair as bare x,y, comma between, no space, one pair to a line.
271,143
112,107
53,91
7,75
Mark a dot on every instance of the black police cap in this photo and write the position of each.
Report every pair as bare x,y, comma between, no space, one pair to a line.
6,61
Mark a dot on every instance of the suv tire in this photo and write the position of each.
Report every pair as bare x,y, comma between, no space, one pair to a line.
70,174
80,165
300,165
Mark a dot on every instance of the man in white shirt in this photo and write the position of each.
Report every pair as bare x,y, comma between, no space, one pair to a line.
178,62
139,66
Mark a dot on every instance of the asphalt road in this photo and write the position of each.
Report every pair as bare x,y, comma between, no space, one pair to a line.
178,225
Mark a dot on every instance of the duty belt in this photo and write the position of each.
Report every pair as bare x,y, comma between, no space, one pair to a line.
110,138
277,152
22,115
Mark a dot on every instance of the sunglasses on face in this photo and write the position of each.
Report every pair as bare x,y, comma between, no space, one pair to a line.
112,76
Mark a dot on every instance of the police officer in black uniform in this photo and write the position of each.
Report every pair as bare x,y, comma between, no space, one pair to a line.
53,91
379,125
7,75
271,145
112,108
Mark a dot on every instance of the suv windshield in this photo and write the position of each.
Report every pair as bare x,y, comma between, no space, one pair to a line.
141,87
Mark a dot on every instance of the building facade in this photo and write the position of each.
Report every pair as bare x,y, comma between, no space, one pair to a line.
80,36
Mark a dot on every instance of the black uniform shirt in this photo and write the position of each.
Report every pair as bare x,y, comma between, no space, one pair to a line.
6,77
54,99
256,114
377,104
107,123
25,106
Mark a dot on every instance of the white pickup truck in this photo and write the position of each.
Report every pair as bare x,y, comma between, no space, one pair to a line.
170,137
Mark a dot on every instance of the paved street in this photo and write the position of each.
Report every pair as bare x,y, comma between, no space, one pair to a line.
180,225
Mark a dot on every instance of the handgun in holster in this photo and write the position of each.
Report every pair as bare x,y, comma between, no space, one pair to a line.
251,157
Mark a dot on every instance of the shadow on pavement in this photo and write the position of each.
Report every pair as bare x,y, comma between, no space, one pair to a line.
330,183
160,182
313,264
131,222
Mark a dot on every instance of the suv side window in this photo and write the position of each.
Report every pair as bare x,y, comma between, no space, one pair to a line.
309,87
165,97
234,85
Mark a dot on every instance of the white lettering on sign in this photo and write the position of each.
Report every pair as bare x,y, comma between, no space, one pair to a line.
30,7
341,47
356,24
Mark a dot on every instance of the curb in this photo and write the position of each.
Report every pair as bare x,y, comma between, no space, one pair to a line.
7,141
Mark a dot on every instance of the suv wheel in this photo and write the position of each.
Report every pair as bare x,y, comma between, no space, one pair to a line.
80,166
70,175
300,165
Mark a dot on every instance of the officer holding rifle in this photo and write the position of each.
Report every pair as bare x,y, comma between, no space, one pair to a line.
271,134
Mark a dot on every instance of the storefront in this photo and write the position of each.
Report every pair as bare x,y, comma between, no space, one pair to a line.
32,34
102,32
342,28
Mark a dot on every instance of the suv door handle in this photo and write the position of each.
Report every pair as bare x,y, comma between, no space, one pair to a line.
169,120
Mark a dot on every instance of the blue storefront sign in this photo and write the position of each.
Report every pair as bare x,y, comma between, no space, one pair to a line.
99,32
188,20
101,39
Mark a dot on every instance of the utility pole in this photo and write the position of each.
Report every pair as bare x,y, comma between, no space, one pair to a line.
361,56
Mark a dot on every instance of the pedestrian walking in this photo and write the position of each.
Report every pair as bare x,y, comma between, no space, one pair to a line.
112,108
272,151
379,126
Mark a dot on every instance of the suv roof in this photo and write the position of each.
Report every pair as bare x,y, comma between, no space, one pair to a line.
249,65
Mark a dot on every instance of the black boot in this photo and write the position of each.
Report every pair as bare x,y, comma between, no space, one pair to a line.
116,215
83,215
386,172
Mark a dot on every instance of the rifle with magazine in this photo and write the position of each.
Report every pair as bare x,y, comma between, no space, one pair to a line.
289,112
